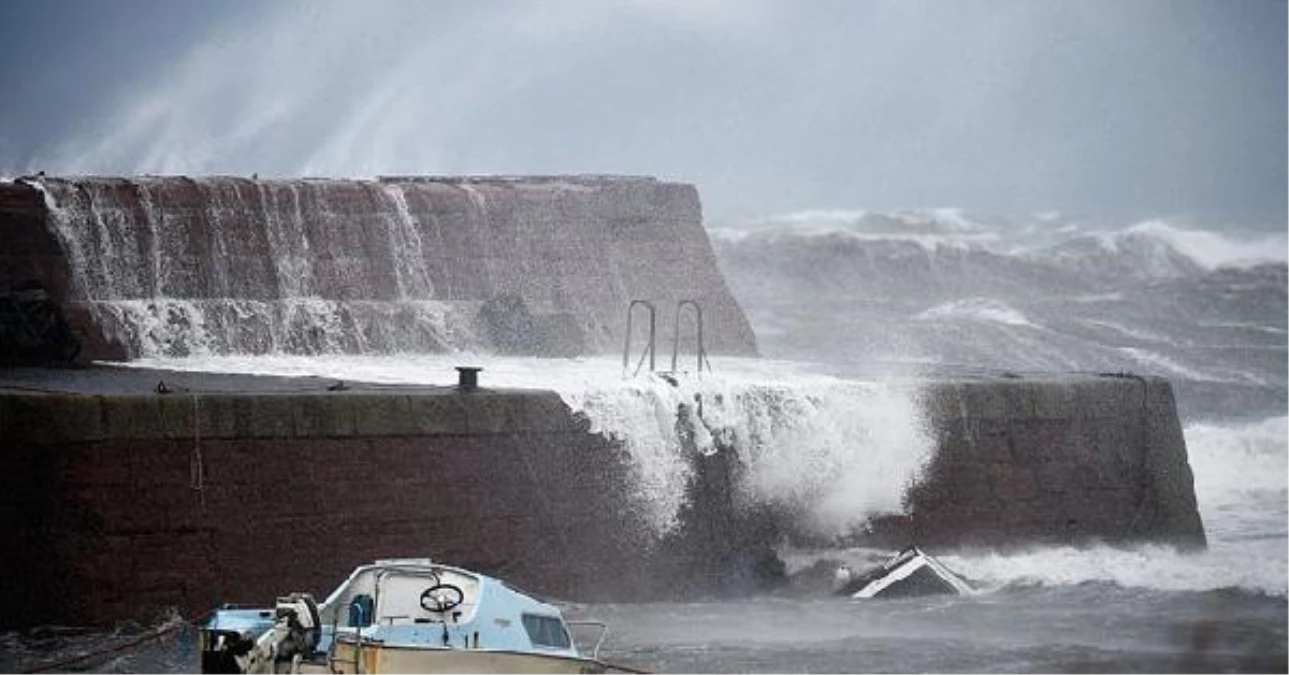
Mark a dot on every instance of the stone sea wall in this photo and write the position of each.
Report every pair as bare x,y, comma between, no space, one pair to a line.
122,504
1064,460
118,506
535,265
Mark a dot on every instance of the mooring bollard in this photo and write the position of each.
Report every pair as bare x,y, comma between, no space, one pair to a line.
468,378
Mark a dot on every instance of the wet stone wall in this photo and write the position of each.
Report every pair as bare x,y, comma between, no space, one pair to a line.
121,505
1066,460
540,265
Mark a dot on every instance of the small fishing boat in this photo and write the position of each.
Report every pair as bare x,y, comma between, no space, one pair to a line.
400,616
910,572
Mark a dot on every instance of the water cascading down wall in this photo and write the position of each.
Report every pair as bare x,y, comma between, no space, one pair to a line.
544,266
122,498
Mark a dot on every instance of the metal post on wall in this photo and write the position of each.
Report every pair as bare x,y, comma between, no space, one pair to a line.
649,348
675,343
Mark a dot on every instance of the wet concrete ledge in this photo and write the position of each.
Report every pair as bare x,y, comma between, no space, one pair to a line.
106,403
123,501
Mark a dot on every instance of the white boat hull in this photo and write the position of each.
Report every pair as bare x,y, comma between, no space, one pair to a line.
400,616
909,573
369,658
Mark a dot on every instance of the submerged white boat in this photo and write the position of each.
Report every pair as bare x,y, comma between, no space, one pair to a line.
400,616
910,572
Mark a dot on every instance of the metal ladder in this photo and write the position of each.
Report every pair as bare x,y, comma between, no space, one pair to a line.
701,354
651,346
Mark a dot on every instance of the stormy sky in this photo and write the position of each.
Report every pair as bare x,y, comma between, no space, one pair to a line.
1126,108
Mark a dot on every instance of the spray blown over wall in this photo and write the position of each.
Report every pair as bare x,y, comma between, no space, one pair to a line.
173,266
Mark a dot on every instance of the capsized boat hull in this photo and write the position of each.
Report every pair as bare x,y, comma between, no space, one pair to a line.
909,573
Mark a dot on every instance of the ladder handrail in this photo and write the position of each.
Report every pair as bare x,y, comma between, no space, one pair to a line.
675,343
653,327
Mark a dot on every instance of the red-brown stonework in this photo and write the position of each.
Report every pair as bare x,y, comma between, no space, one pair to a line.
1067,460
236,265
122,504
105,528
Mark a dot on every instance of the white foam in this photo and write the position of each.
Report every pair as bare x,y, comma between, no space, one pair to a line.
976,309
819,216
1234,463
1165,366
956,219
928,242
1098,297
1153,567
1137,333
1212,250
729,234
931,227
404,233
157,326
837,451
1243,325
1241,476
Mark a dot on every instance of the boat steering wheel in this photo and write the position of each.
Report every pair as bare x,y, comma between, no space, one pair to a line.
441,597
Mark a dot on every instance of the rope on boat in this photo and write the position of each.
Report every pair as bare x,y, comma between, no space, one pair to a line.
171,625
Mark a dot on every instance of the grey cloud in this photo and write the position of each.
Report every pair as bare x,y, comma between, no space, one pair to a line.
1140,107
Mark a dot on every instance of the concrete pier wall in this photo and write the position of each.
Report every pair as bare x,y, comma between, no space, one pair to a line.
1063,460
537,265
122,504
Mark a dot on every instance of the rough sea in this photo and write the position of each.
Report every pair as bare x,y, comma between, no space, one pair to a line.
851,309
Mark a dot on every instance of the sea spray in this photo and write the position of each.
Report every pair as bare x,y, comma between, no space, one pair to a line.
1240,483
837,452
1151,566
165,278
1235,461
834,451
406,249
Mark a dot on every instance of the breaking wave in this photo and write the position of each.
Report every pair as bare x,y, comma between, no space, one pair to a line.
1206,309
976,309
1212,250
1152,567
1155,245
834,451
837,451
1241,475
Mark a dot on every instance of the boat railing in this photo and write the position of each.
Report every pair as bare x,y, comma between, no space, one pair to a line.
604,632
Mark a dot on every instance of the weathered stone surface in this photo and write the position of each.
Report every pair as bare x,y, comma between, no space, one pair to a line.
1062,460
290,486
323,416
253,505
539,265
